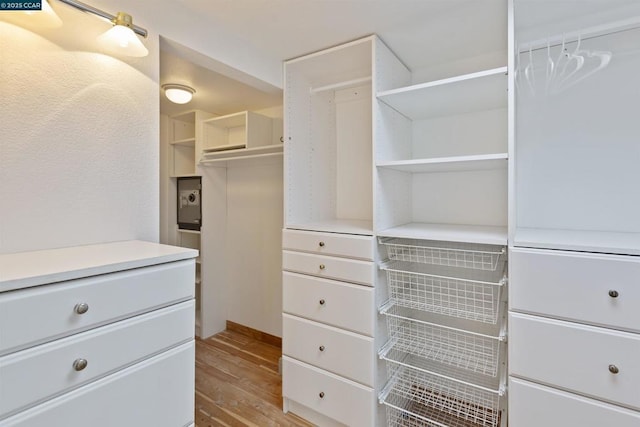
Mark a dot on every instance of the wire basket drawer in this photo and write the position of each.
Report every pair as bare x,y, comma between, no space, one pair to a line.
451,254
415,398
450,346
445,291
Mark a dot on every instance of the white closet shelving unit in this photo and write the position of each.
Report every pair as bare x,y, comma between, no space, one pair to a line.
441,178
576,239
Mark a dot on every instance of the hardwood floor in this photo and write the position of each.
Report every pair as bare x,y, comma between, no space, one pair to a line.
238,384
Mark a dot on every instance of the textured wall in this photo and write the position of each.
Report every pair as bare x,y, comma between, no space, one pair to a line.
78,138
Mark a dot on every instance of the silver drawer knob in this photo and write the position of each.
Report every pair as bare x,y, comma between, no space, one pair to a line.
80,364
321,395
321,244
613,293
322,267
613,369
81,308
321,348
322,302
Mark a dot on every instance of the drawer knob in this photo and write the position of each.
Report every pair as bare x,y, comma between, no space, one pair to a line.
321,348
321,395
322,302
321,244
613,293
613,369
80,364
322,267
81,308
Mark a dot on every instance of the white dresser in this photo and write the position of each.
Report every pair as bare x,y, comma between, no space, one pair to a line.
328,327
98,335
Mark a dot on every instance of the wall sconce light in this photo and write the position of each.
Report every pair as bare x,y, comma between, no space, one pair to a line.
121,38
178,94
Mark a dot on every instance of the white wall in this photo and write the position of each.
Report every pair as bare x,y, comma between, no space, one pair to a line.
78,138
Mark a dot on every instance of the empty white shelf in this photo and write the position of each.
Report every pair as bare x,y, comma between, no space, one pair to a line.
489,235
450,164
484,90
218,156
348,226
579,240
189,142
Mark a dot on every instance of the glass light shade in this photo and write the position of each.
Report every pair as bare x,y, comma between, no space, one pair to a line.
123,40
178,94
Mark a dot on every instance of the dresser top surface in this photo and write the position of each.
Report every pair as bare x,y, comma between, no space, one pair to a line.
26,269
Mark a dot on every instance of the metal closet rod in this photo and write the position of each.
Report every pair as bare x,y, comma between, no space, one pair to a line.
90,9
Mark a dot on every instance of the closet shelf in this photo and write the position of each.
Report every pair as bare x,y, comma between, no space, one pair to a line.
188,142
484,90
469,351
416,398
463,255
347,226
579,240
185,175
449,164
489,235
217,156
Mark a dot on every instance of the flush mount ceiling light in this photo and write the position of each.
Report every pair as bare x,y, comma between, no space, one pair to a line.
178,94
121,38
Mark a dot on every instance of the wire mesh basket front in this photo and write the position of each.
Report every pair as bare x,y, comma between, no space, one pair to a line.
418,288
438,400
461,349
451,254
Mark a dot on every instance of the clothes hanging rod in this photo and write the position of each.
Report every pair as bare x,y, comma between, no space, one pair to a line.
95,11
341,85
584,34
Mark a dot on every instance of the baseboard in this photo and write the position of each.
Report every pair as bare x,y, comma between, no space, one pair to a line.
254,333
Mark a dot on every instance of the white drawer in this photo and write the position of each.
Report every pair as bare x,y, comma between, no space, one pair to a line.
48,312
349,270
33,375
337,398
533,405
576,357
341,352
577,287
345,245
335,303
157,392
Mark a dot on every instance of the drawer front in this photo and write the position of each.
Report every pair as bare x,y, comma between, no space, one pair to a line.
35,374
341,352
48,312
349,270
576,287
576,357
532,405
157,392
337,398
335,303
344,245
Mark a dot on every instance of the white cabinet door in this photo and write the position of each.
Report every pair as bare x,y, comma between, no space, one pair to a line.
49,312
596,362
328,301
341,352
597,289
157,392
533,405
33,375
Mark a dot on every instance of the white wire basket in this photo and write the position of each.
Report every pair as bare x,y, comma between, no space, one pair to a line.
451,254
442,290
458,348
415,398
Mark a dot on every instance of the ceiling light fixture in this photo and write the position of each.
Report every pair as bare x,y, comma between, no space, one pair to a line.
121,38
178,94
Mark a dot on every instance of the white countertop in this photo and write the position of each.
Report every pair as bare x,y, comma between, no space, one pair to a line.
26,269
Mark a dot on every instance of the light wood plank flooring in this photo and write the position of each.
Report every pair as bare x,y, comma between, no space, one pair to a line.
238,384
